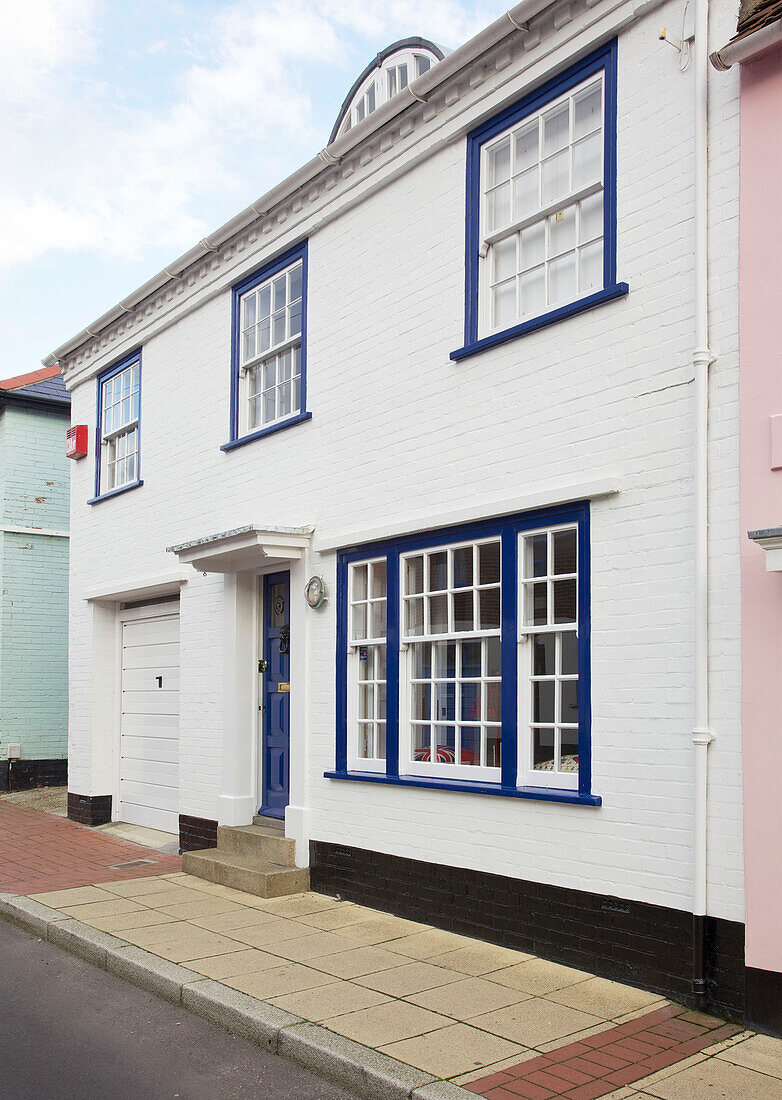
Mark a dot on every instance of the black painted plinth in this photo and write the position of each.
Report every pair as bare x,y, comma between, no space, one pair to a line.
24,775
764,1000
628,941
89,809
196,833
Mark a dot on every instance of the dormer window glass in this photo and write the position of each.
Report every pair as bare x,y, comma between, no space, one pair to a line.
397,78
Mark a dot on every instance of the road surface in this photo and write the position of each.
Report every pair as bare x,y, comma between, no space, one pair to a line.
69,1031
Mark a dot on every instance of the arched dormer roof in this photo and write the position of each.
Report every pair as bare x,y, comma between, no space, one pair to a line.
392,70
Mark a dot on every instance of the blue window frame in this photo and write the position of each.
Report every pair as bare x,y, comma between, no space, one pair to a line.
541,207
269,349
463,659
118,429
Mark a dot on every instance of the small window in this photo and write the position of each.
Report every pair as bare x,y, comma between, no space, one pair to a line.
397,78
367,104
269,343
368,662
548,657
422,64
541,217
119,397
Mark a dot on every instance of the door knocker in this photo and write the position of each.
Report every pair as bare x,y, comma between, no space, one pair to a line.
285,634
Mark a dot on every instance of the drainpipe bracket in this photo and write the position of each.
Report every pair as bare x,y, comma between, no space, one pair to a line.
702,736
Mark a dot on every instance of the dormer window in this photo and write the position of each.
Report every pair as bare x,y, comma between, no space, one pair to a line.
367,104
388,75
397,78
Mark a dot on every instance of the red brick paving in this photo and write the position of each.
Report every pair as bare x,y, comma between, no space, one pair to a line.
39,852
604,1062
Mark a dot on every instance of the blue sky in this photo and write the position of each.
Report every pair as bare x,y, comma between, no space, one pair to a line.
131,130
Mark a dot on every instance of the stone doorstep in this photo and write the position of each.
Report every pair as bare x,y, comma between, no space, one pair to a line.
366,1072
240,872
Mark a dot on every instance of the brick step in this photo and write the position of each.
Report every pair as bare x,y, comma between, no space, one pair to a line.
257,842
263,879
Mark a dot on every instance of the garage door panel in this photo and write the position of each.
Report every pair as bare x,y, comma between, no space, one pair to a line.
146,679
154,726
150,702
149,756
151,631
167,821
141,794
148,656
152,773
164,749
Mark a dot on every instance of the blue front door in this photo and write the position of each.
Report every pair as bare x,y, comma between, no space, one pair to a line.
275,694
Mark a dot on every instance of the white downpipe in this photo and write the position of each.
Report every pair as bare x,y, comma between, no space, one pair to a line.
701,735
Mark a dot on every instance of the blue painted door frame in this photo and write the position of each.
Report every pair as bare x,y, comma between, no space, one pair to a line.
275,738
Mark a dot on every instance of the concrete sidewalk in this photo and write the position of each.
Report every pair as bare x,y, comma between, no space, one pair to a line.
419,1008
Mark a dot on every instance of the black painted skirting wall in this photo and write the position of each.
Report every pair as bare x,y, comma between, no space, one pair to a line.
764,1000
628,941
196,833
89,809
22,775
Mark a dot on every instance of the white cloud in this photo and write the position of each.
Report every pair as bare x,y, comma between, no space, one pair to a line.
89,166
40,37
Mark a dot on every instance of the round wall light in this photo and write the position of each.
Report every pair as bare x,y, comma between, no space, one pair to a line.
315,592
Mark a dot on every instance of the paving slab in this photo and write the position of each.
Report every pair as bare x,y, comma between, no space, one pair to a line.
718,1080
359,962
535,1021
387,1023
279,980
409,978
468,998
327,1001
762,1053
234,964
604,998
452,1050
479,958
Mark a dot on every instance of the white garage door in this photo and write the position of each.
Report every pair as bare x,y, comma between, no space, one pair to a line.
149,764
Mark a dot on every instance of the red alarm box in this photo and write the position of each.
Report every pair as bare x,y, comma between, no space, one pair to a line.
76,441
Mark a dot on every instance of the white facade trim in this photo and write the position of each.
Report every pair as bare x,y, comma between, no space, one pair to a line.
541,498
161,584
10,529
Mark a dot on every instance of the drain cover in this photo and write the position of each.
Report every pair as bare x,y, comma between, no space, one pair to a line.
133,863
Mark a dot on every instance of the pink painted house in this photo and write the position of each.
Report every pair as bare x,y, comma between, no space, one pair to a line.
757,48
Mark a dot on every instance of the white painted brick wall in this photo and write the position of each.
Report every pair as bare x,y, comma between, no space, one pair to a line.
399,430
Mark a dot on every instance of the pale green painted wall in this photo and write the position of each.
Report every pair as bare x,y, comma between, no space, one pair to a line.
34,475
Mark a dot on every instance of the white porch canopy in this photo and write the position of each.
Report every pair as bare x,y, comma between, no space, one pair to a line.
770,540
243,548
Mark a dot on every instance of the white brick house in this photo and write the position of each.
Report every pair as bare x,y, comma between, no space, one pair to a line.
416,740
